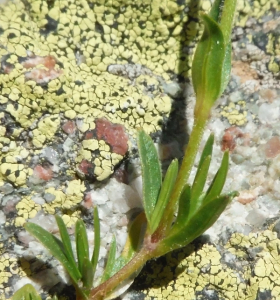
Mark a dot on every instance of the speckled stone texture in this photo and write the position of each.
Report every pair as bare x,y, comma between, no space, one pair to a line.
70,67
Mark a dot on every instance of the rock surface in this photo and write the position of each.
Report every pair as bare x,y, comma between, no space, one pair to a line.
70,68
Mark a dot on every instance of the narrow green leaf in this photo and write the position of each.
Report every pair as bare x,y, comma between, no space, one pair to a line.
226,68
183,210
202,172
207,150
227,19
87,276
219,180
198,184
151,173
27,292
55,247
96,250
81,244
165,192
185,170
208,65
110,261
216,9
66,241
222,11
205,217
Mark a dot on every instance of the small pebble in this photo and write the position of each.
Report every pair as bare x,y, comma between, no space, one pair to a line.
272,148
44,173
69,127
7,188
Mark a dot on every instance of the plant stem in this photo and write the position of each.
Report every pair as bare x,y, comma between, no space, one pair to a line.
185,169
190,155
132,267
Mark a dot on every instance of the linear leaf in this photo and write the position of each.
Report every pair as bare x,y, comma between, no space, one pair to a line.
110,261
151,173
205,217
173,203
55,247
96,250
227,19
226,68
218,182
207,150
27,292
81,244
223,13
215,11
208,64
66,242
165,192
87,275
198,185
183,210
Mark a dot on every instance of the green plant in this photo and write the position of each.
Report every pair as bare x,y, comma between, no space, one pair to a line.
175,212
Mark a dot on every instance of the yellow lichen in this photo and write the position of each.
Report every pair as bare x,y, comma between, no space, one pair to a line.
235,113
6,272
66,198
71,218
85,40
45,130
26,209
10,168
186,273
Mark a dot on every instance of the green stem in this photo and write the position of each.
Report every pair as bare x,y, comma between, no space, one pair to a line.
185,170
190,155
132,267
